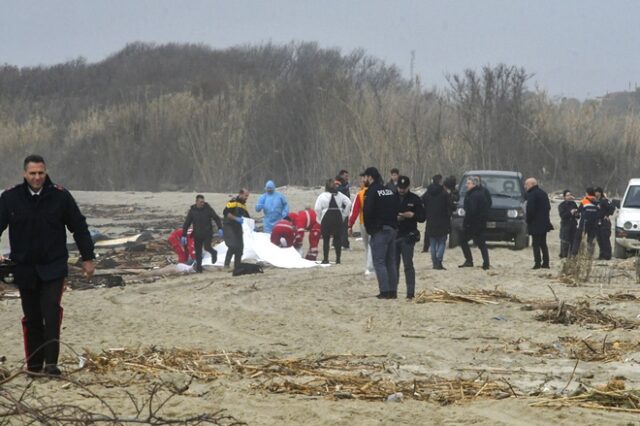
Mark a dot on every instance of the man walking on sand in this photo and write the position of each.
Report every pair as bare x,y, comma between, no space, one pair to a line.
476,207
200,216
38,213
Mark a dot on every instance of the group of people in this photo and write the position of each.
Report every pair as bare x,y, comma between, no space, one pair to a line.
590,220
37,211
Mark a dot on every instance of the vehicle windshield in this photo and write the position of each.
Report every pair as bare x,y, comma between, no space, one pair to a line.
632,200
498,186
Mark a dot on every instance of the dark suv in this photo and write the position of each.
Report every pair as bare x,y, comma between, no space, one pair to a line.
506,220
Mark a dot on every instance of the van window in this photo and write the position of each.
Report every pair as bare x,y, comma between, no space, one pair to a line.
632,199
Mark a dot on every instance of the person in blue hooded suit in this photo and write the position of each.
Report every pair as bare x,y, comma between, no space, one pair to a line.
273,204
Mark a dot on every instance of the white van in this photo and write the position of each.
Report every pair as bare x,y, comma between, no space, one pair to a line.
628,221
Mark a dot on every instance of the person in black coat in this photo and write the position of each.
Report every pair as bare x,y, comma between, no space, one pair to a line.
200,216
411,212
476,207
606,209
538,222
568,211
438,208
381,208
37,213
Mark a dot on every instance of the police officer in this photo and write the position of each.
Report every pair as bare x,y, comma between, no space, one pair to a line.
411,212
200,216
36,213
381,208
605,210
589,219
233,216
568,211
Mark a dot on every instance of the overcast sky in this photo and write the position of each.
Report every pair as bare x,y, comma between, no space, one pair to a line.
575,48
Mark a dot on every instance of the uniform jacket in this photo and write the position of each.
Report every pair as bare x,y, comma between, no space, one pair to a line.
381,207
438,207
323,201
589,214
275,207
37,231
538,208
476,207
410,203
305,220
201,221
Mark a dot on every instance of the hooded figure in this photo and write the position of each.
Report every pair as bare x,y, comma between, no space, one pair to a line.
273,204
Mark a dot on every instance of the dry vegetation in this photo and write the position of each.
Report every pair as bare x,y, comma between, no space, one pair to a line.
184,116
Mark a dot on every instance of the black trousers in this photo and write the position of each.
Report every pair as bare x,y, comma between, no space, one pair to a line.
592,234
567,239
41,322
235,244
345,234
604,240
198,244
480,241
404,252
332,225
540,249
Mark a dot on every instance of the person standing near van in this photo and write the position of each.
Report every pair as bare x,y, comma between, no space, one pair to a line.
605,209
538,222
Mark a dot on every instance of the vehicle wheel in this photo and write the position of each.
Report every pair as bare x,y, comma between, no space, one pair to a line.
619,252
454,239
522,241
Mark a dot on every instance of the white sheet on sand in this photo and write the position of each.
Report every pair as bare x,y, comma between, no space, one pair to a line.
258,247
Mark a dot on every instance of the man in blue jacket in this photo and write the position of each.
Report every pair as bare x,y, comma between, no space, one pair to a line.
273,204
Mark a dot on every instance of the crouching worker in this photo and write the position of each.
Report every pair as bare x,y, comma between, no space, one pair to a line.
283,233
306,220
200,216
234,213
184,252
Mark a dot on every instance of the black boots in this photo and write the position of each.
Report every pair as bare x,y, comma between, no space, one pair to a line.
387,295
466,264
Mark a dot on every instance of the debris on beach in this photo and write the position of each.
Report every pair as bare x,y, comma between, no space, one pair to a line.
612,396
581,313
482,297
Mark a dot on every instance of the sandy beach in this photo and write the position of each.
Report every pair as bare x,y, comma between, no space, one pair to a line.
290,314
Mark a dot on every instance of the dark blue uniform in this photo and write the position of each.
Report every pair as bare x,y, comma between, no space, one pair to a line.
38,241
407,238
381,207
568,226
605,210
588,225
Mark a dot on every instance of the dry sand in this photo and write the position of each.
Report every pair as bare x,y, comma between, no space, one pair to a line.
294,313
